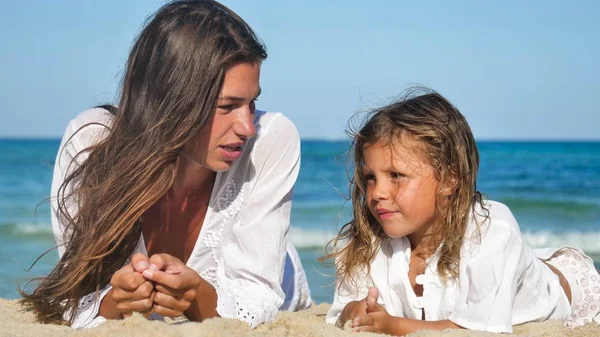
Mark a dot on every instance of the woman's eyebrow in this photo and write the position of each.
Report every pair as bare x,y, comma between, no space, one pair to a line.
236,98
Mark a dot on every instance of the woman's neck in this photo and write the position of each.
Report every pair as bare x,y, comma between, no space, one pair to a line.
192,181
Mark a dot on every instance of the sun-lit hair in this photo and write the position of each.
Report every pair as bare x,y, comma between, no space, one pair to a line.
170,88
437,130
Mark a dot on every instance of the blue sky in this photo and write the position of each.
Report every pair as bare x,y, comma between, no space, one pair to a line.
516,69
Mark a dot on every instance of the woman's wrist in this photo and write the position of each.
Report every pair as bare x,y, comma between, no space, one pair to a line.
108,307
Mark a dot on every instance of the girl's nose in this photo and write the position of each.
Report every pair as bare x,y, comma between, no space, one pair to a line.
380,191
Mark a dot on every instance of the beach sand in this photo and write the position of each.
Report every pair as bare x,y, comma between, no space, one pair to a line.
15,322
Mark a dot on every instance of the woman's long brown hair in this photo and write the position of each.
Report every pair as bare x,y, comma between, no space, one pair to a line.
447,143
170,87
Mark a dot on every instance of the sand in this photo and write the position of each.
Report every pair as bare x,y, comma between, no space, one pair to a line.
15,322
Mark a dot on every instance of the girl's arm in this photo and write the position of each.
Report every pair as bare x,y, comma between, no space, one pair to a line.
382,322
378,320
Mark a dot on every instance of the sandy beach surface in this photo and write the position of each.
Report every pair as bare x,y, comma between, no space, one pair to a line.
15,322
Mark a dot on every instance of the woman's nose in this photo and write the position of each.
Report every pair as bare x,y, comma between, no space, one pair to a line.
244,126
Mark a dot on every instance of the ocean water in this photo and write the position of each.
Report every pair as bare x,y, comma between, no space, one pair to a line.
553,188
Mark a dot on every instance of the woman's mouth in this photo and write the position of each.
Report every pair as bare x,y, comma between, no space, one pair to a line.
231,152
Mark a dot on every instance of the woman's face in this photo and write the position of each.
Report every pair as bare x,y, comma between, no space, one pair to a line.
221,141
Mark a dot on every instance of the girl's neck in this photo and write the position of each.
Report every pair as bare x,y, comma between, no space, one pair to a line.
425,242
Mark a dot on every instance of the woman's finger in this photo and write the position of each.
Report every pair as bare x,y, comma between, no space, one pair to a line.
171,302
182,281
139,262
128,280
166,263
143,291
188,294
167,312
141,306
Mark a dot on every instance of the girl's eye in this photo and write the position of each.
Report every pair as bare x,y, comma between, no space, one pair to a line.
369,177
396,175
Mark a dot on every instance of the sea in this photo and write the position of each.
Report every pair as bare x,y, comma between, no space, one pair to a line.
552,187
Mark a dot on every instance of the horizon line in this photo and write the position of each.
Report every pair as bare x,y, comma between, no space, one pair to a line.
346,139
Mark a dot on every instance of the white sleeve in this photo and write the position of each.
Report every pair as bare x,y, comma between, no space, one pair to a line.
79,135
249,280
489,282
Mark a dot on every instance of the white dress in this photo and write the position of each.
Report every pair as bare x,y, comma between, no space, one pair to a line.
242,249
501,281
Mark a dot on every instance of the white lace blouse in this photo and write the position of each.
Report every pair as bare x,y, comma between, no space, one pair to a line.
501,281
241,248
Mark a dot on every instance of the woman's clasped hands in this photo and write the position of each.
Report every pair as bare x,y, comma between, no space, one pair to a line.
162,284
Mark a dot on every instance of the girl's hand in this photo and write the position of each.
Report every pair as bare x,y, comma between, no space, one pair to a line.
175,284
130,290
376,319
352,310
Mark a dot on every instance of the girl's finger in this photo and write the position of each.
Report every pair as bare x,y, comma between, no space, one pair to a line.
365,328
365,320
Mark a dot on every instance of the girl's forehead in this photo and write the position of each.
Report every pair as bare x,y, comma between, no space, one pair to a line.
396,155
402,145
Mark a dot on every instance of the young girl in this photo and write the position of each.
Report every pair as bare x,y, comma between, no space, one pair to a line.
176,203
425,251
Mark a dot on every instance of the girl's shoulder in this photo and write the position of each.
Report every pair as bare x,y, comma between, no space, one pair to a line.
492,225
493,215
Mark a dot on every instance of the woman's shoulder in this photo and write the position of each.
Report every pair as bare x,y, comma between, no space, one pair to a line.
86,129
275,126
92,117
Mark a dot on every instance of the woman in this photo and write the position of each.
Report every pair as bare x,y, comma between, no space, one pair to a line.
178,201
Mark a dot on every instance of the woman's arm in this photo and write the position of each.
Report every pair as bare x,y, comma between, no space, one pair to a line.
249,280
85,130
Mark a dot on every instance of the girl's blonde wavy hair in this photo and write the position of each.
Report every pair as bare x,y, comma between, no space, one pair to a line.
449,146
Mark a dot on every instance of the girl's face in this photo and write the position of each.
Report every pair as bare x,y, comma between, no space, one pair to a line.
401,189
221,141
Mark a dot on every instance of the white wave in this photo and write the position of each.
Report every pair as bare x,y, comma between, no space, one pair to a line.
25,229
587,241
310,238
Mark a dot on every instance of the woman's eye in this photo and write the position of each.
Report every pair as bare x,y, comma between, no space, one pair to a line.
226,107
369,177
